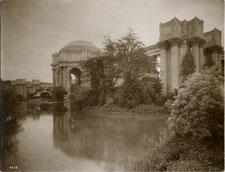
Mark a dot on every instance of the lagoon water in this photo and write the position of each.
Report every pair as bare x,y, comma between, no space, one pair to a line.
56,138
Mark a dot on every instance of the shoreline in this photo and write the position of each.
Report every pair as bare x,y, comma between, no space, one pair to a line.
142,112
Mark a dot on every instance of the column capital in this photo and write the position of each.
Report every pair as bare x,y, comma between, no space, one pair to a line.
174,42
196,41
216,48
184,42
163,44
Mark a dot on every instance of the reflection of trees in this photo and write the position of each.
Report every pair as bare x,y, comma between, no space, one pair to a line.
25,109
10,123
103,140
58,109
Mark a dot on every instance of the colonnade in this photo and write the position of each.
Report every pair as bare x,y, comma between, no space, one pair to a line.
61,77
172,52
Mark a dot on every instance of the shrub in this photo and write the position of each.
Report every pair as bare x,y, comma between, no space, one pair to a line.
58,93
102,97
10,124
80,97
130,92
187,65
197,122
198,109
134,92
190,165
182,154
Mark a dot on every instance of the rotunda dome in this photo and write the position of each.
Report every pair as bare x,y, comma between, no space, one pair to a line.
80,44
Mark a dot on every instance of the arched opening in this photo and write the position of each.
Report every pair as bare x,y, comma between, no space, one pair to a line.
45,95
75,78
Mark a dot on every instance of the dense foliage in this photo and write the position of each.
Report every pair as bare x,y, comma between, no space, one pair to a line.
134,92
117,73
197,121
95,71
183,154
208,58
187,65
9,120
80,98
209,62
58,93
198,109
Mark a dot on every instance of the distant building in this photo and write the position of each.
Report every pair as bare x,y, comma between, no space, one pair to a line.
24,88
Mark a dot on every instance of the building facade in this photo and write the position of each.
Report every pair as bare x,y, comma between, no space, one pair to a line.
176,38
25,88
67,64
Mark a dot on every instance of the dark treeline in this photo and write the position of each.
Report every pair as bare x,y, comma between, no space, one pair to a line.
9,121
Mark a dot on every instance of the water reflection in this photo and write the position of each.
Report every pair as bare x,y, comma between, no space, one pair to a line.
66,140
113,142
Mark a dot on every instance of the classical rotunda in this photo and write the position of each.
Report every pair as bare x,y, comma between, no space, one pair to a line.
67,64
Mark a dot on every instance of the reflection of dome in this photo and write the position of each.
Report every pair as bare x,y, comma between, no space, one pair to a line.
80,44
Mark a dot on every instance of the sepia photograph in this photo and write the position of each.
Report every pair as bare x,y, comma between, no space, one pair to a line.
112,86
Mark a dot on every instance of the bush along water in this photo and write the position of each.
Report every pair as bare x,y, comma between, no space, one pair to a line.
197,121
58,93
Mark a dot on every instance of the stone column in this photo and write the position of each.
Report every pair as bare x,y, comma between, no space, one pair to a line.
21,89
201,57
196,42
215,57
174,64
54,77
183,50
64,77
68,81
61,76
163,65
25,91
219,59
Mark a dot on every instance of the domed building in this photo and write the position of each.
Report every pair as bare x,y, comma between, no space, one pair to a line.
66,64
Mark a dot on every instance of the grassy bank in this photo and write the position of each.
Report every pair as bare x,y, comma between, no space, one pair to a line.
183,154
141,111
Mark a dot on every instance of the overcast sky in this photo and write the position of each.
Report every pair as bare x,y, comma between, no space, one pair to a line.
32,30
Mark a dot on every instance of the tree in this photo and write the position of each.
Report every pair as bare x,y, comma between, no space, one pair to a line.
133,61
10,124
198,109
187,65
58,93
94,69
80,96
125,58
132,55
208,58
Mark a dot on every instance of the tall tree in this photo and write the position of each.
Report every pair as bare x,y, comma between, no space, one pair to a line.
125,58
187,65
132,55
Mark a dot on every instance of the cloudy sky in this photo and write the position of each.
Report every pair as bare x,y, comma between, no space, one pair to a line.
32,30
